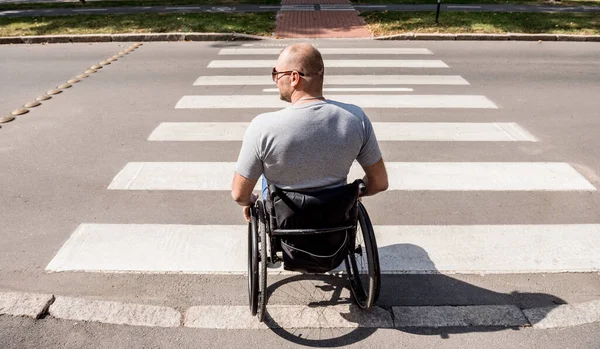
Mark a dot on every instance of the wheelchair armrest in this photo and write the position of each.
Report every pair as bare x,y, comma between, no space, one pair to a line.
284,232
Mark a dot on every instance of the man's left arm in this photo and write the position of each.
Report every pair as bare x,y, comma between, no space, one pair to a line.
241,192
248,169
242,188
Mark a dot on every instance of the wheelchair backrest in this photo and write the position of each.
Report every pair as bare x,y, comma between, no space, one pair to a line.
328,208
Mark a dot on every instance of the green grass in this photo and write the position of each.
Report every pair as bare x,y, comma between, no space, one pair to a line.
496,2
247,23
380,23
121,3
388,23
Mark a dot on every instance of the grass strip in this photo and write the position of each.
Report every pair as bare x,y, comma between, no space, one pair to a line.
246,23
389,23
128,3
490,2
133,3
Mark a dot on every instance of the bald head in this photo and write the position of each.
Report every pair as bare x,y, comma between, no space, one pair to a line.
306,58
301,67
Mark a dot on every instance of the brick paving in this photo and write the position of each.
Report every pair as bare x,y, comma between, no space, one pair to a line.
320,24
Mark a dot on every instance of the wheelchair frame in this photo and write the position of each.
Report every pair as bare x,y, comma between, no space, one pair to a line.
264,243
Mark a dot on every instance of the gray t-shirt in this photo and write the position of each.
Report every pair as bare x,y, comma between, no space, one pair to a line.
309,146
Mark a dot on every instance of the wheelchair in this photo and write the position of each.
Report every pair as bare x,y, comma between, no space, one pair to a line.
313,232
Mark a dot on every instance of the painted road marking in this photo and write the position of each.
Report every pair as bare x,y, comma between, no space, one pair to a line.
337,63
365,101
438,176
337,7
184,8
235,80
385,131
151,248
355,89
331,51
462,6
414,249
297,8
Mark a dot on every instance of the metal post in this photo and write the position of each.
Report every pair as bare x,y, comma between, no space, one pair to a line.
437,12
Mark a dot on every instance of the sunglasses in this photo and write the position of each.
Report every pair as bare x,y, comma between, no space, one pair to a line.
275,74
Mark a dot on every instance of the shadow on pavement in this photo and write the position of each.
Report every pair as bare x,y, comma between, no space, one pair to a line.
431,289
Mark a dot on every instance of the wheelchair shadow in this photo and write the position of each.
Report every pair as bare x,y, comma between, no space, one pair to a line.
431,288
318,293
428,288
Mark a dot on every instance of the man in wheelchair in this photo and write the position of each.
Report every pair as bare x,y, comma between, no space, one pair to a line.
309,216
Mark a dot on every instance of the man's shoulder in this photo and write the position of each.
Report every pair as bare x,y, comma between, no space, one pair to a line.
267,123
351,108
267,118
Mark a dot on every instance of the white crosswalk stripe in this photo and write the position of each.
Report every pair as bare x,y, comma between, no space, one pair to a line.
265,79
330,51
385,131
337,63
455,176
354,89
431,248
402,249
297,8
365,101
337,7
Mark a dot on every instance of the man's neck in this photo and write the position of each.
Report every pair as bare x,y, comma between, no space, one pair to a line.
302,97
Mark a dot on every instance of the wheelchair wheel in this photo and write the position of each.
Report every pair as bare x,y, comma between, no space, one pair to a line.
362,263
262,263
253,261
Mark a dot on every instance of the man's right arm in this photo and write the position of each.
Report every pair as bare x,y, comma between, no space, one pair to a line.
375,178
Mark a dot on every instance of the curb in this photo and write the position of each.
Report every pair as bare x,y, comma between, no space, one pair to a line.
31,305
60,39
118,313
566,315
298,316
56,39
492,37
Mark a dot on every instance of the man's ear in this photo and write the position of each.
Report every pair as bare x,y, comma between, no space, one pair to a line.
295,79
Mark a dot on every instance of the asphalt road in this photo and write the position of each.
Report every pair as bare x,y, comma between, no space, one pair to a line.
58,160
51,333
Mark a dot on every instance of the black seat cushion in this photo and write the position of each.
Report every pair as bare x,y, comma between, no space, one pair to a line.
329,208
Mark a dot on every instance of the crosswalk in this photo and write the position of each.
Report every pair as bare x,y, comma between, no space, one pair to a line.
337,63
386,131
483,176
265,80
365,101
430,248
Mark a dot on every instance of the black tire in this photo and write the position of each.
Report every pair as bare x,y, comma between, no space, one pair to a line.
253,262
362,262
262,263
